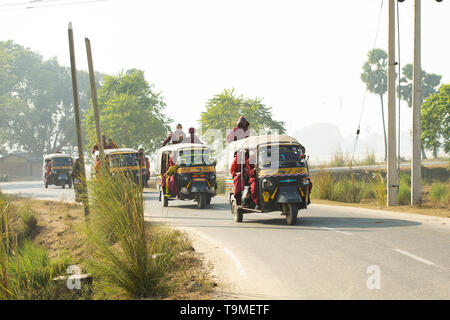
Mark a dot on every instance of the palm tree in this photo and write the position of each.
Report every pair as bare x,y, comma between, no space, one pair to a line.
374,75
430,84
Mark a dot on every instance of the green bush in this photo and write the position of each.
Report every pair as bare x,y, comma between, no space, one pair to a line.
322,185
439,192
345,190
30,221
404,195
380,188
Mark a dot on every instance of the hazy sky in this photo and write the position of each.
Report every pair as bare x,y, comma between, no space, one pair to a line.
302,57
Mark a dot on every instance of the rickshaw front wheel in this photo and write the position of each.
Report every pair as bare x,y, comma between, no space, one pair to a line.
291,214
237,213
166,201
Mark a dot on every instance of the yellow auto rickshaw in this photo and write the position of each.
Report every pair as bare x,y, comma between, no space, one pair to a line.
282,176
123,161
189,168
57,169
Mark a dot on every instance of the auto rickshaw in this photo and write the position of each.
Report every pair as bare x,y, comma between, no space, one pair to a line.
282,176
57,169
123,161
193,172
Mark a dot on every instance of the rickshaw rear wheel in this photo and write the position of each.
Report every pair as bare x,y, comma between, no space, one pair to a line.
208,199
46,184
166,201
237,213
63,185
291,214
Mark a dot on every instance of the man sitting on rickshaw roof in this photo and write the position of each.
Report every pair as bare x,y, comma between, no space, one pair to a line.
241,130
176,137
96,148
192,137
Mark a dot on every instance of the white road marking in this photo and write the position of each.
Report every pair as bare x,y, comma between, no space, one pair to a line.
236,262
336,230
414,257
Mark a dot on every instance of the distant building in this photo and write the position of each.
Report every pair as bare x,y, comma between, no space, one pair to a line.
20,165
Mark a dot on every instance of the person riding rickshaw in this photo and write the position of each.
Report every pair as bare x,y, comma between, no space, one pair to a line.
270,173
186,171
57,169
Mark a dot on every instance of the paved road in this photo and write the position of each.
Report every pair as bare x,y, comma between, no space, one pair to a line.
332,252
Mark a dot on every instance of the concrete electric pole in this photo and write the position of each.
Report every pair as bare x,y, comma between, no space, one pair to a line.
78,121
392,172
416,174
94,100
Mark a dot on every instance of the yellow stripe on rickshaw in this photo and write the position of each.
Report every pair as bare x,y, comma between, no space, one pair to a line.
196,169
124,168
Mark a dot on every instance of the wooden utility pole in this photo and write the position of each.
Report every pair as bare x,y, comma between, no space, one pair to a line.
416,175
392,173
94,100
76,106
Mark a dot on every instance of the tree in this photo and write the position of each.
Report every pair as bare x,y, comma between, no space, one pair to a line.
435,121
430,84
131,112
374,75
224,109
36,102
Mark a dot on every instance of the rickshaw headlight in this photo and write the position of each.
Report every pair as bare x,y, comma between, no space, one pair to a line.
267,184
305,182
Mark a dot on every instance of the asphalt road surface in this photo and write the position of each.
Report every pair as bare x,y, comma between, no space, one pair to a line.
331,253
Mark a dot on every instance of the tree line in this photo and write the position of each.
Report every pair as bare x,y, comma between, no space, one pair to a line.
37,116
435,110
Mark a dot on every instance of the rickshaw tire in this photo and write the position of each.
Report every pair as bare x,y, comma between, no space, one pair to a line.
208,199
46,185
237,213
166,202
291,215
63,185
159,199
201,204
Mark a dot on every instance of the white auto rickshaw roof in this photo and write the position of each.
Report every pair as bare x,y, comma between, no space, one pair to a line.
178,146
56,155
119,150
255,141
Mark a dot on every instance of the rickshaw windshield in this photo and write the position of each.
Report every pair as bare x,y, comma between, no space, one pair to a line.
120,160
194,157
62,162
280,156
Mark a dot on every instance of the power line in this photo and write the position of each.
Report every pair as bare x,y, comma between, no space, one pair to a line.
368,80
34,4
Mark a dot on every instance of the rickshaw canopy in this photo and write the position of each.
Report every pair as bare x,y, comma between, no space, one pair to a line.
177,147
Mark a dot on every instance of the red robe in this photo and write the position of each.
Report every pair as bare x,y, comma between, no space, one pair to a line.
170,181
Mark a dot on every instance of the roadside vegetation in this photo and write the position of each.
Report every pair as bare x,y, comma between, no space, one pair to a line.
369,189
125,256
